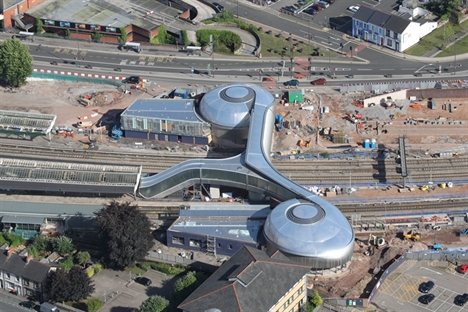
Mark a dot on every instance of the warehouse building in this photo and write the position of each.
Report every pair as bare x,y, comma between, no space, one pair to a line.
171,120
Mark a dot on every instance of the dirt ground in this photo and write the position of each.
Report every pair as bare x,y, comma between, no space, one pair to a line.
303,124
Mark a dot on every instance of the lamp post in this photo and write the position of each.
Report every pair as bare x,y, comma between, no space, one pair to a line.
329,62
237,9
291,54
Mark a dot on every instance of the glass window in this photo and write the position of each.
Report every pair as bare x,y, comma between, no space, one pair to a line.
387,33
8,276
178,240
365,26
395,36
26,282
230,246
195,242
389,42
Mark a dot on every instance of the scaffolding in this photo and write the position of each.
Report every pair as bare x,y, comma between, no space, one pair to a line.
211,245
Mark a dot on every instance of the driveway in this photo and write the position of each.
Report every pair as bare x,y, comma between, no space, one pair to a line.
121,295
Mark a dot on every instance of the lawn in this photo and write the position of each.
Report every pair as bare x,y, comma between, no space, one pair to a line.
436,39
273,46
460,47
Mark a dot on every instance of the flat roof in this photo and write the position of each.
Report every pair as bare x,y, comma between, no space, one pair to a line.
146,14
44,209
22,219
173,109
232,222
24,122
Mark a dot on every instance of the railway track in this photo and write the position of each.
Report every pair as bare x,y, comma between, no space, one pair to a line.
317,171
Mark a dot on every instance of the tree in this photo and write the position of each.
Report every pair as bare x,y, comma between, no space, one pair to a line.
15,62
94,304
154,304
82,257
63,245
123,35
185,285
39,26
126,233
67,264
68,286
41,243
96,35
316,299
67,33
57,285
80,284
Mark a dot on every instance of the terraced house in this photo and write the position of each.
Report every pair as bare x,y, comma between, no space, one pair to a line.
396,32
22,275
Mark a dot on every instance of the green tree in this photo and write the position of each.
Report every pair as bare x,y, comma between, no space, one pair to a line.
13,240
15,62
154,304
57,286
63,245
67,33
126,233
41,243
67,264
39,26
316,300
32,250
82,257
68,286
123,34
80,284
94,304
96,35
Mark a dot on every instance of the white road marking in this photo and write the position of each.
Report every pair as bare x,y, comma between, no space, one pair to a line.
431,270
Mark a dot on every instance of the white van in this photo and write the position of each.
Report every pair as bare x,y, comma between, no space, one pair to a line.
324,4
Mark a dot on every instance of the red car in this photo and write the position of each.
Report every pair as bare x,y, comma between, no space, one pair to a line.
320,81
463,268
317,7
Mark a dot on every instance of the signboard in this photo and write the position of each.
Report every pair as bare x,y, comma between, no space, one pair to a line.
49,22
95,27
65,24
111,29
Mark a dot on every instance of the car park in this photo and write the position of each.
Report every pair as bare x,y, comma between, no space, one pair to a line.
320,81
330,1
28,304
218,6
324,4
143,281
460,300
426,299
292,82
426,287
463,269
353,8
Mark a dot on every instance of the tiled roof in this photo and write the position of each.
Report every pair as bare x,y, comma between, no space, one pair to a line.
382,19
245,283
34,270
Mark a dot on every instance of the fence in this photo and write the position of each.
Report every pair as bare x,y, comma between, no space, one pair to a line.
453,256
77,78
152,255
387,272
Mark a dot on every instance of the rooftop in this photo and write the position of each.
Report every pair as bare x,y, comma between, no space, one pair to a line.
12,121
163,109
249,281
237,222
93,12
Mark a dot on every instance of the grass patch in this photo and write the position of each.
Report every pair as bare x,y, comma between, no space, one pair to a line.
436,39
136,270
460,47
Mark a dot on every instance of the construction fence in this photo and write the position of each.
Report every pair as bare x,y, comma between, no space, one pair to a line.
381,87
75,78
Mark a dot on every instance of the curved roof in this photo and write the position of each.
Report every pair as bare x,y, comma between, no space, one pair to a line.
228,106
307,229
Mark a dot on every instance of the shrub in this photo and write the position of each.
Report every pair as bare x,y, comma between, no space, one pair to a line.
145,266
167,268
94,304
67,264
98,268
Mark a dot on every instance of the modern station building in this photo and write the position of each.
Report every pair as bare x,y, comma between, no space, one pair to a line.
25,124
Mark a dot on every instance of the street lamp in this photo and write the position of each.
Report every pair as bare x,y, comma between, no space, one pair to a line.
329,61
237,9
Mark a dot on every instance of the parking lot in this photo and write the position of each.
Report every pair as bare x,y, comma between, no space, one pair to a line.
337,15
120,295
400,291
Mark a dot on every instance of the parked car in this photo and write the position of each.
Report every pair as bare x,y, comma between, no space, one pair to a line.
118,69
292,82
28,304
460,300
317,7
324,4
291,9
426,287
89,67
330,1
143,281
53,63
218,6
463,269
353,8
269,79
426,299
311,11
318,82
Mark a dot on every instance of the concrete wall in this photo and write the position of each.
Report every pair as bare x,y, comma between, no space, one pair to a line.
397,95
438,93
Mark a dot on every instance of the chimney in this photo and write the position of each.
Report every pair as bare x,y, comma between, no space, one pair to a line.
10,251
29,258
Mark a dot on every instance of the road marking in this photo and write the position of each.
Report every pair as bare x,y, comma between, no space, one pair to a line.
65,51
83,53
387,69
142,58
57,50
123,62
132,62
364,69
431,270
150,63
